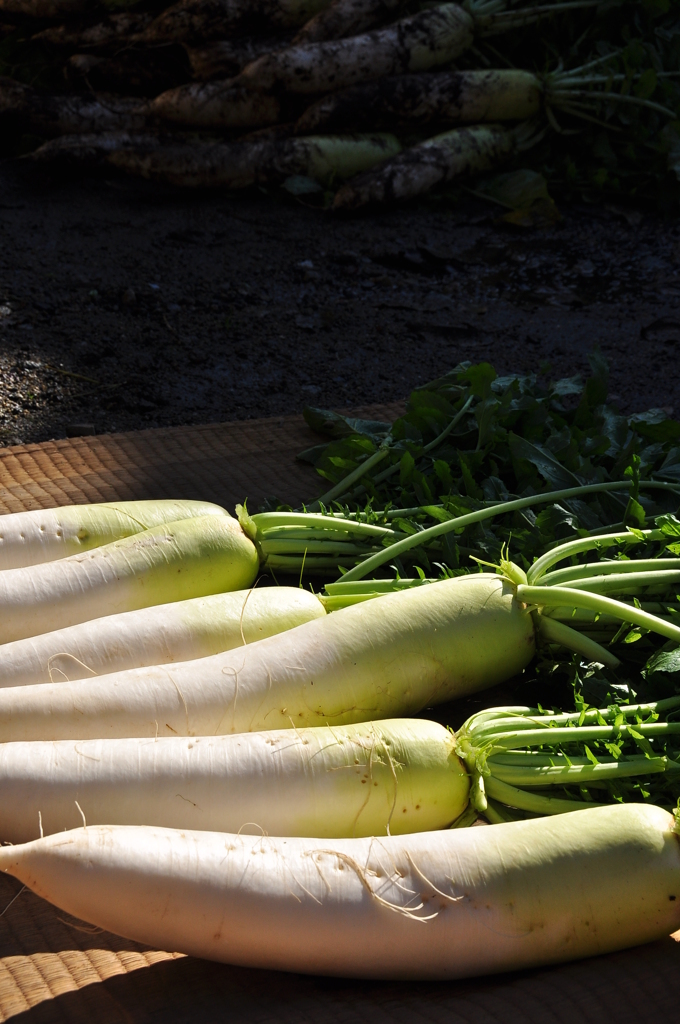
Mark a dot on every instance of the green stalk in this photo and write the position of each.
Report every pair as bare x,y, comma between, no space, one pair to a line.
531,801
318,547
361,470
573,734
265,521
567,597
577,775
620,582
557,632
459,522
576,547
627,566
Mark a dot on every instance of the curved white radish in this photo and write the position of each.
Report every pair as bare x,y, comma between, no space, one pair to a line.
435,905
43,535
172,562
181,631
354,780
388,657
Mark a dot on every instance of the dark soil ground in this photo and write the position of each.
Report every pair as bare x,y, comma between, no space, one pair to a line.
125,305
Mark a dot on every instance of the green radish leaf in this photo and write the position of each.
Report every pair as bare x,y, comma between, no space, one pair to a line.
406,467
480,379
668,524
550,469
635,514
663,661
656,425
443,473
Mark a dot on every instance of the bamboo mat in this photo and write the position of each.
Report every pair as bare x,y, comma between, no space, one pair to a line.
55,970
222,462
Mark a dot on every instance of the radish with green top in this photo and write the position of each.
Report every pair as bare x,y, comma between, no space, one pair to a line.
388,657
436,905
182,631
393,776
359,780
173,562
43,535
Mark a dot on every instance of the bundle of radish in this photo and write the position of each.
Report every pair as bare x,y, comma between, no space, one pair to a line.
379,659
425,40
178,560
515,895
375,659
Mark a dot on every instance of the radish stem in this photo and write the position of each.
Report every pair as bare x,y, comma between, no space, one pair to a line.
422,537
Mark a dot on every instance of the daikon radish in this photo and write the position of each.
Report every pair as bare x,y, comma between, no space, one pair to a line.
444,97
435,905
430,38
438,160
172,562
401,775
182,631
43,535
390,656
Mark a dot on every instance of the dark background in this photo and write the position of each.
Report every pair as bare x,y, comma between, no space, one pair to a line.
125,304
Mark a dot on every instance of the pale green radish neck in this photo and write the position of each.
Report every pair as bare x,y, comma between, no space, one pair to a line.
399,776
43,535
442,905
389,657
173,562
182,631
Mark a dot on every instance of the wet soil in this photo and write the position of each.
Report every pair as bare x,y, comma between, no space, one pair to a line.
125,305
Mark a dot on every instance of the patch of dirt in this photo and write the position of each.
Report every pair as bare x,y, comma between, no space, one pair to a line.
125,304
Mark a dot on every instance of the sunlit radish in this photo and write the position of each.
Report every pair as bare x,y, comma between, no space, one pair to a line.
435,905
43,535
181,631
401,775
172,562
380,659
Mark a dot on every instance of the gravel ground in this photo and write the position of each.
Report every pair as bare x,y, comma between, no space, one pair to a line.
127,305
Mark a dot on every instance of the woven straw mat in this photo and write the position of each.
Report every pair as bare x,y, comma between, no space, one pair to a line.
56,969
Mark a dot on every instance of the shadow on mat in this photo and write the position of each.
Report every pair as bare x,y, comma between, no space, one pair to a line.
634,986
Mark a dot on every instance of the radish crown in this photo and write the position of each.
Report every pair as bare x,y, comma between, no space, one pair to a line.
513,754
